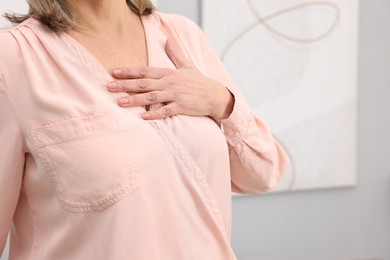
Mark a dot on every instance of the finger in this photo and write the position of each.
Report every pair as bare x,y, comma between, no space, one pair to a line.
176,55
150,98
134,85
161,113
140,72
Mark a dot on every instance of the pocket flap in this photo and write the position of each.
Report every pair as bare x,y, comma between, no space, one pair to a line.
76,129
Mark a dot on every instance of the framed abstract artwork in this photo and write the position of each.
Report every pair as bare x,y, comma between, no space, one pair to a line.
296,63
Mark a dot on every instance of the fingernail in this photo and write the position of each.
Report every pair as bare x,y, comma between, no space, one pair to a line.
117,72
112,85
123,100
146,115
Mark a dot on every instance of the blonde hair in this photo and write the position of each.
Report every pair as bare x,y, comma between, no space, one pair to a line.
57,15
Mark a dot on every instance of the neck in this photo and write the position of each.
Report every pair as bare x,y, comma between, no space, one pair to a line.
112,16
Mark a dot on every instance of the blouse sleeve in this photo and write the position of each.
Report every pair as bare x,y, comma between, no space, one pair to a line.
257,160
11,165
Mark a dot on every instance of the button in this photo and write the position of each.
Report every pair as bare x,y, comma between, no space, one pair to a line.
230,133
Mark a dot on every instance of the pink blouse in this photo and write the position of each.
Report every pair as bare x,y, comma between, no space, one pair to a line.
82,178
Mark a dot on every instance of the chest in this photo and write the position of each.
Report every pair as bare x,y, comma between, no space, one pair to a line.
130,50
90,151
113,56
65,99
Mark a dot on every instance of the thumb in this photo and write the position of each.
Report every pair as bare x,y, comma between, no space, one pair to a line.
176,55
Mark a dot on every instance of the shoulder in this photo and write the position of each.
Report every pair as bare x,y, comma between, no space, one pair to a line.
11,37
176,23
185,31
177,19
12,42
6,38
8,46
187,34
8,32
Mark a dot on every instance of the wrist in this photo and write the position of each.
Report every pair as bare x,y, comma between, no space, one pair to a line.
224,105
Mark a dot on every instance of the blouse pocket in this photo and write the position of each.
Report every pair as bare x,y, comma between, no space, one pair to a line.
90,160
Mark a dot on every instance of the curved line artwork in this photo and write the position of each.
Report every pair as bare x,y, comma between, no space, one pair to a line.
263,20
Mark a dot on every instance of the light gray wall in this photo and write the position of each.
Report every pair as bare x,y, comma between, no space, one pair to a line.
336,223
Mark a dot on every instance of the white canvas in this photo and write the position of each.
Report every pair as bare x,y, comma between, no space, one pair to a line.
296,63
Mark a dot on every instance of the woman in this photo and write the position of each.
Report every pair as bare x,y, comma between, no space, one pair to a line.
122,136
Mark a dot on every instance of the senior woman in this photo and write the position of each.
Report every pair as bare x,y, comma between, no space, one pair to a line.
122,136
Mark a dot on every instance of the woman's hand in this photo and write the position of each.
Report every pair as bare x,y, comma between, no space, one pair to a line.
184,90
